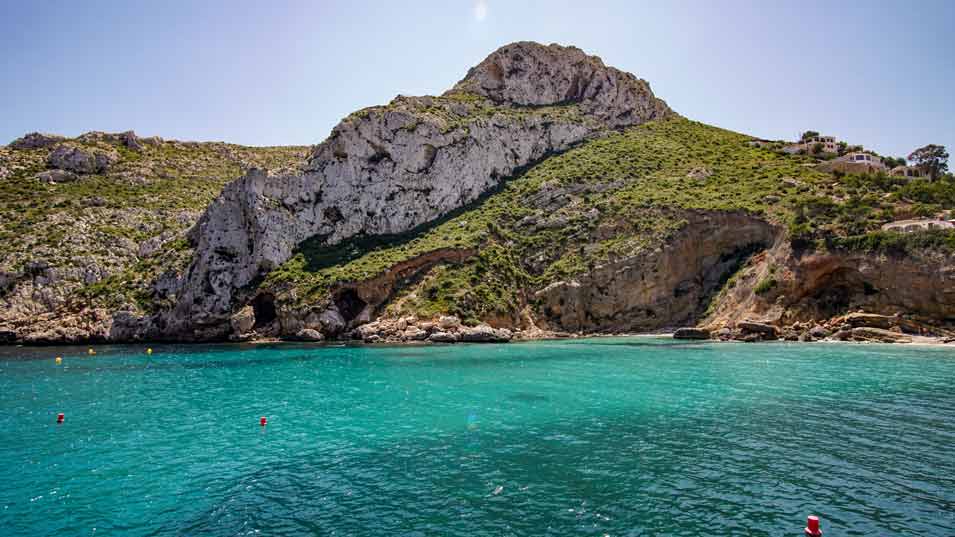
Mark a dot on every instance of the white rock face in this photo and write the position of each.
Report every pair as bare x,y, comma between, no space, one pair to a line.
35,140
386,170
73,158
530,74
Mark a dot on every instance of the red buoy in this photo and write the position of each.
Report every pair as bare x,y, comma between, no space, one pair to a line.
263,421
812,527
60,417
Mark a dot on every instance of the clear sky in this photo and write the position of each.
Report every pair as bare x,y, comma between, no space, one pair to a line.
881,74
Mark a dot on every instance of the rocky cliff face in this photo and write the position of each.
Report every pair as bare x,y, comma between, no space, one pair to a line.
545,194
784,286
660,288
528,74
92,229
386,170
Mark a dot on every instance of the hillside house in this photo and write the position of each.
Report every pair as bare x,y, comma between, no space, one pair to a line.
828,143
906,171
859,157
854,162
857,161
918,224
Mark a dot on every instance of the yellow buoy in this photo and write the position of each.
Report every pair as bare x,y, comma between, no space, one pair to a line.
91,352
59,360
149,351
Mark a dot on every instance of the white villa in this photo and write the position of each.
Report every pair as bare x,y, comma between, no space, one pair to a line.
918,224
906,171
872,162
829,144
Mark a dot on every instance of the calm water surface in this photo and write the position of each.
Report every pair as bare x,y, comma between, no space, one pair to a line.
635,436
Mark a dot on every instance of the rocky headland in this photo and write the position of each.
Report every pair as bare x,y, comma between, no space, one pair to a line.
544,195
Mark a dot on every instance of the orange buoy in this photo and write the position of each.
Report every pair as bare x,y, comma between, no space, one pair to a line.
812,527
90,351
263,421
60,417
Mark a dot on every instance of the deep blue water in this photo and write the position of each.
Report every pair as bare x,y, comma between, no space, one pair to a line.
628,436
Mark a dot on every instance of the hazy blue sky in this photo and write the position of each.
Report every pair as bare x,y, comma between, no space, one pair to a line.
877,73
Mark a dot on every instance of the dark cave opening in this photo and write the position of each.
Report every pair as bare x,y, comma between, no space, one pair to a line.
841,291
349,304
263,306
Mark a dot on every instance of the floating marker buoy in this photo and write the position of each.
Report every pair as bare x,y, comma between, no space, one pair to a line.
149,351
812,527
60,417
90,351
59,360
263,421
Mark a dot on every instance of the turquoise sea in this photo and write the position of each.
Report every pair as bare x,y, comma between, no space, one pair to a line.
621,436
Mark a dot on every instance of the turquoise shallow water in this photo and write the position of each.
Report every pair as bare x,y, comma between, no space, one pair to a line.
634,436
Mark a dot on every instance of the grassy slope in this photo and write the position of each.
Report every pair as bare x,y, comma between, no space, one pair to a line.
101,219
618,195
608,199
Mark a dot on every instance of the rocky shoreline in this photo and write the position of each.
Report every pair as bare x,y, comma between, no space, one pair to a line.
855,327
852,327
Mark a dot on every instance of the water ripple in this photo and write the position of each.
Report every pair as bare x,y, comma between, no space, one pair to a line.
595,437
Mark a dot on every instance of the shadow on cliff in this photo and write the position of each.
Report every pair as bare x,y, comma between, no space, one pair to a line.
320,255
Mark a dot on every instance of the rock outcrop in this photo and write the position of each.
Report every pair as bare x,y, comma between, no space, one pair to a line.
445,329
661,288
400,228
528,74
904,294
81,160
691,333
822,285
56,176
36,140
78,265
386,170
875,335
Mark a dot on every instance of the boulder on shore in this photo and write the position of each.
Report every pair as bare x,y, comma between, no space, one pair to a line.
483,333
818,332
863,333
243,320
308,334
755,327
691,333
448,322
443,337
871,320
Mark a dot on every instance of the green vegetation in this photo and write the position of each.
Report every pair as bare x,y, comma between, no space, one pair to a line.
860,204
99,221
932,159
458,110
608,199
615,197
895,243
612,198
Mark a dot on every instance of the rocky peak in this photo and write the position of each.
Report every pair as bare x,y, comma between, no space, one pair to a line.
36,140
530,74
388,169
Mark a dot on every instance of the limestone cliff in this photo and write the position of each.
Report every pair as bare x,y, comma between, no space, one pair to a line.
787,286
92,229
386,170
545,194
